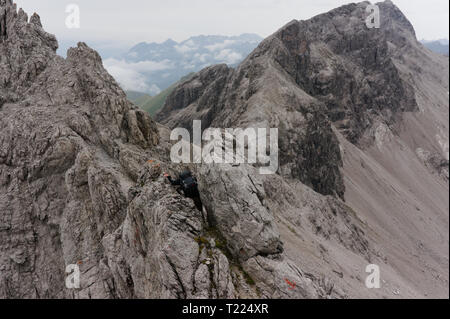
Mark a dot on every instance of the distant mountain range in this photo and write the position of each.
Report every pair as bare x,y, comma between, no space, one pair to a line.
153,67
152,104
438,46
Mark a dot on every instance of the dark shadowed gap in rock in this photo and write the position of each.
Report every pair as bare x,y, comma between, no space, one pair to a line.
195,196
3,27
198,203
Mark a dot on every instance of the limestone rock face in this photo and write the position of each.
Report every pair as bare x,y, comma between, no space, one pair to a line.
362,116
81,170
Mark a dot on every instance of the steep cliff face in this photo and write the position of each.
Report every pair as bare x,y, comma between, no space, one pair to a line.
81,173
360,112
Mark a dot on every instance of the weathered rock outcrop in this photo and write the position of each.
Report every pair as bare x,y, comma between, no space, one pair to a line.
81,183
65,127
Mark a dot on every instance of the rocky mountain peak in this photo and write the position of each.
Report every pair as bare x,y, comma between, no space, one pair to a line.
394,16
341,63
25,50
363,122
16,27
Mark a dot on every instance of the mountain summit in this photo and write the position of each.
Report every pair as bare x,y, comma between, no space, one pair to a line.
363,179
362,114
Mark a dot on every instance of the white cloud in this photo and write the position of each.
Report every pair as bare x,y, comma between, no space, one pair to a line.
189,43
189,67
128,79
220,45
184,48
131,76
228,56
202,57
141,67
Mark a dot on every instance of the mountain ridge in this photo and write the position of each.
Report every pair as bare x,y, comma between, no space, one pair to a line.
375,91
156,66
438,46
82,170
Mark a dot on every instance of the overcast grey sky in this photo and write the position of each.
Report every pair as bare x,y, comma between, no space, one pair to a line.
125,23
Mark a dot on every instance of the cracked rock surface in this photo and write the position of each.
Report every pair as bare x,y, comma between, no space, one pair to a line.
363,176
